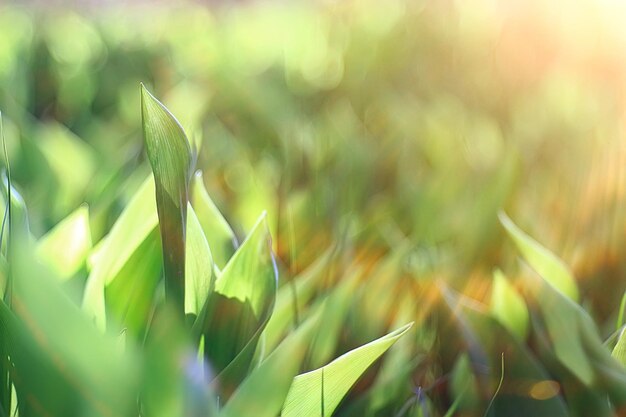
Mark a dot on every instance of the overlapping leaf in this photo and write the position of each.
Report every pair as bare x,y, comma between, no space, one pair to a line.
235,314
319,392
486,341
255,396
199,276
219,235
128,250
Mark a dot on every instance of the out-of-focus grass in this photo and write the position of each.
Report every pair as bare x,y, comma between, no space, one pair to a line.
392,133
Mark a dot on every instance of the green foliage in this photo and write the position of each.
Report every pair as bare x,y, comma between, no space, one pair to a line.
134,349
380,144
508,307
66,246
170,157
319,392
543,261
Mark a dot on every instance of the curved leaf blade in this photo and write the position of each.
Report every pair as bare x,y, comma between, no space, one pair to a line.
219,234
199,276
130,231
551,268
255,396
236,313
169,154
334,380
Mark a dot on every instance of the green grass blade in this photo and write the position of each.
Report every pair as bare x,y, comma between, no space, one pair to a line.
551,268
65,248
170,157
304,399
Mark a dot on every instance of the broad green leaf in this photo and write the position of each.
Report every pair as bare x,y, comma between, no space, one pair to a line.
218,232
130,295
256,396
236,313
325,387
130,231
508,307
551,268
64,367
170,157
199,277
65,248
250,276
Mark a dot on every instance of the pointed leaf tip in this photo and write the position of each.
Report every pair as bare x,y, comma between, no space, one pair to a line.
170,157
544,262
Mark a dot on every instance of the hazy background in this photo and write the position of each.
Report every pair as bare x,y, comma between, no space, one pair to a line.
376,124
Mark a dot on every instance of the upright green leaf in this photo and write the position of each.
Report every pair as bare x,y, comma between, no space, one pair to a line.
170,157
127,240
236,313
324,388
551,268
66,246
199,276
131,294
218,232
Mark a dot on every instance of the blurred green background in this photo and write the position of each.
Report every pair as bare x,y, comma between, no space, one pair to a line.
389,128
